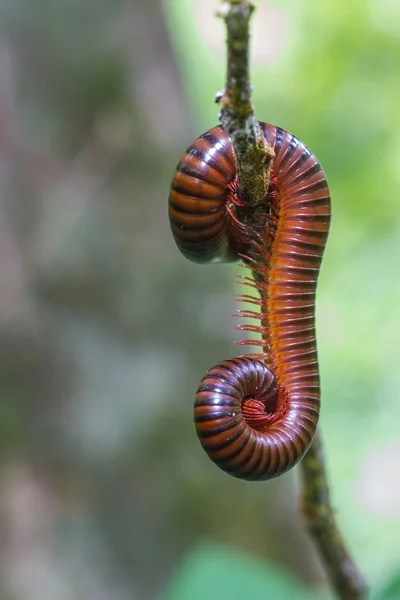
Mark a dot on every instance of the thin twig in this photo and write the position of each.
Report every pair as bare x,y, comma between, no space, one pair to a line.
254,158
319,517
253,154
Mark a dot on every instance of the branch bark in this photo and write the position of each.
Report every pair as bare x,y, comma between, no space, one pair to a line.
253,155
254,158
318,516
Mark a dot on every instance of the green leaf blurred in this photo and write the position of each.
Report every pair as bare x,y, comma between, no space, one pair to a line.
212,572
391,590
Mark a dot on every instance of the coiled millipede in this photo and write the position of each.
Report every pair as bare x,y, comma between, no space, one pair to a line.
256,415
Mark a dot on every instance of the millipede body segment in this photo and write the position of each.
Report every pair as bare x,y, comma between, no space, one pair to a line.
256,415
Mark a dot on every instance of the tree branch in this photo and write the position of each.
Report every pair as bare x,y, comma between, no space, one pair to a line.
253,154
319,517
254,158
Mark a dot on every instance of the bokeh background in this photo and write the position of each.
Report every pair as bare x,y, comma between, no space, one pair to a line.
105,330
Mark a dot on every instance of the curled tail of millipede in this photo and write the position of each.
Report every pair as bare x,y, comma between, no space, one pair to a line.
256,415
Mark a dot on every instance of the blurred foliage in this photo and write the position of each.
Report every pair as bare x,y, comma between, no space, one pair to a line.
105,330
391,591
212,572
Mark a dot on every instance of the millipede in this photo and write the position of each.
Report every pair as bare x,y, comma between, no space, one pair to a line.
256,415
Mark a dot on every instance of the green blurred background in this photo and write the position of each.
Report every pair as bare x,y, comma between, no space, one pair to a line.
105,330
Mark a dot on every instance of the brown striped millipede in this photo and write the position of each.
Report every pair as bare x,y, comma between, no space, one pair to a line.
256,415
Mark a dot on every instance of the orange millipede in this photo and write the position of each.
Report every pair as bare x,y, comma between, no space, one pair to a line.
256,415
